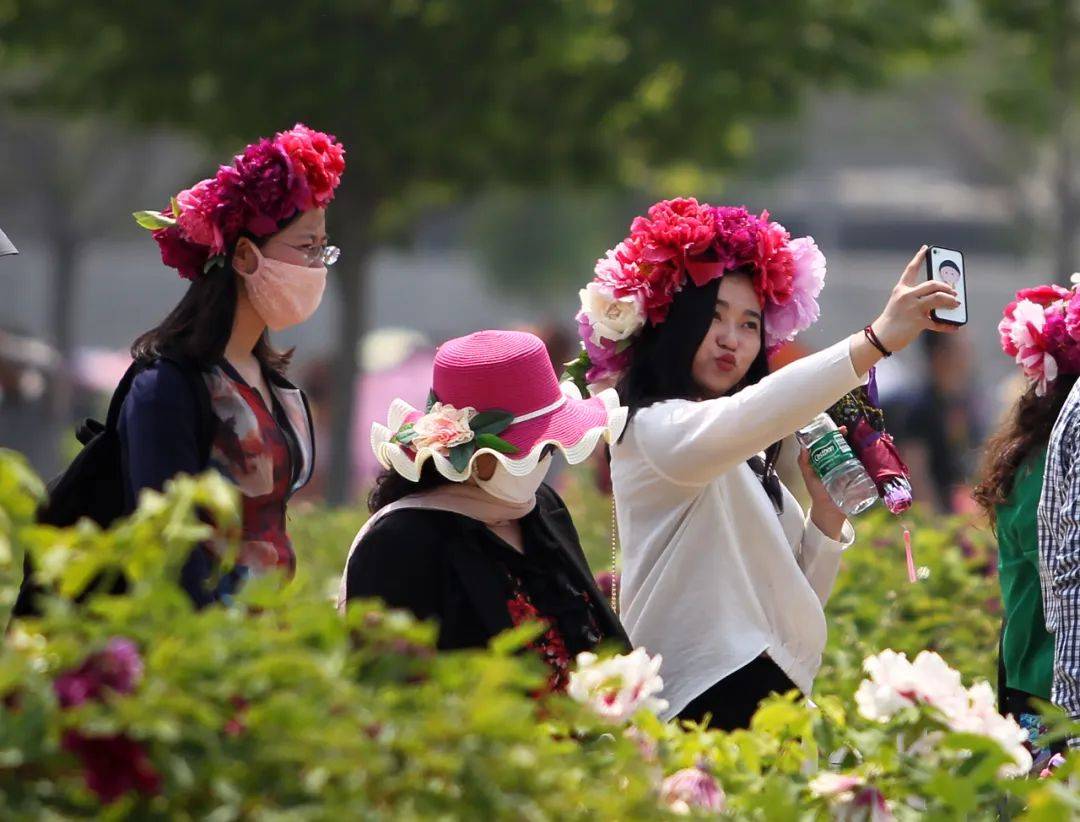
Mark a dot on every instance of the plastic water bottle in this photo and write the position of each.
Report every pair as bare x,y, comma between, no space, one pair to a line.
833,461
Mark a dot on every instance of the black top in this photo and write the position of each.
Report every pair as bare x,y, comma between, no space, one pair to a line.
452,568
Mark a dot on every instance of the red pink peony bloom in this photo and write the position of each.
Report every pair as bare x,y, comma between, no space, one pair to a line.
113,764
1040,330
635,283
269,182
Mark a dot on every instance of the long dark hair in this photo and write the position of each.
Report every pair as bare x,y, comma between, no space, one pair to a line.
198,328
662,367
1027,429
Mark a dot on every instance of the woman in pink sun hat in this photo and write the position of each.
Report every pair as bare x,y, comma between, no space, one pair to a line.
723,574
463,529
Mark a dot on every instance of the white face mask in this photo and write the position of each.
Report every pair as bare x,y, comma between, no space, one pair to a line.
520,490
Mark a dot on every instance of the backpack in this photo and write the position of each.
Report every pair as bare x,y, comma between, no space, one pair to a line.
93,484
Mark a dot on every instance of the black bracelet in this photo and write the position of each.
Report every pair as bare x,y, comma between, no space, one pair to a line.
874,341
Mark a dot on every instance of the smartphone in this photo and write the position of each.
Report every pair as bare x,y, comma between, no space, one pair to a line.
946,265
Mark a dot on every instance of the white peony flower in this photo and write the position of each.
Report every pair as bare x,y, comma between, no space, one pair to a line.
834,784
617,688
936,683
890,688
611,318
850,799
895,683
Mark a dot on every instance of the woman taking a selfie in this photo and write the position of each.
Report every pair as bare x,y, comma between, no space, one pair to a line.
1012,479
208,390
722,573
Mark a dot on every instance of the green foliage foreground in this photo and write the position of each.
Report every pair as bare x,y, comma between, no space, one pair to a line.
277,708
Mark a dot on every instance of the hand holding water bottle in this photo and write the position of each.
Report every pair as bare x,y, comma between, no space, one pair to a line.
824,512
838,483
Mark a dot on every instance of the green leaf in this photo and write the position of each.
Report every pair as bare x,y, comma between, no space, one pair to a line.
213,262
461,454
576,369
175,207
405,434
431,400
491,422
495,444
514,639
153,220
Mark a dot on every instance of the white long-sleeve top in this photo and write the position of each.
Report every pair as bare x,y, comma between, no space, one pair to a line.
712,576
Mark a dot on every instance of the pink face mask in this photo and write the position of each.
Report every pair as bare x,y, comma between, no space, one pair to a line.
284,294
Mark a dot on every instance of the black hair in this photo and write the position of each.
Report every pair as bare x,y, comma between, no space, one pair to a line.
390,486
198,328
950,263
663,361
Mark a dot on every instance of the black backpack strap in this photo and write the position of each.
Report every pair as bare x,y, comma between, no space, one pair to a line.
193,373
120,394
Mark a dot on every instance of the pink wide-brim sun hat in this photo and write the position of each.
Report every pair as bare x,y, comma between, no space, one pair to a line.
504,371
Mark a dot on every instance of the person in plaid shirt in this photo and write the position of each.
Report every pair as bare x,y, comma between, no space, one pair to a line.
1059,520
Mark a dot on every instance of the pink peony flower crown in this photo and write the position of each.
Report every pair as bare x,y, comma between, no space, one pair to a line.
268,183
681,239
1040,329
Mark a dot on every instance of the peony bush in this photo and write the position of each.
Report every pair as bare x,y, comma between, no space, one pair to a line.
137,707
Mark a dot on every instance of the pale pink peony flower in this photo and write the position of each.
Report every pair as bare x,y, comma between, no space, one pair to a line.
443,427
617,688
784,322
196,210
692,789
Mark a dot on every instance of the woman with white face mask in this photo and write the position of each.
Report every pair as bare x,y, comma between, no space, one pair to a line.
207,389
463,529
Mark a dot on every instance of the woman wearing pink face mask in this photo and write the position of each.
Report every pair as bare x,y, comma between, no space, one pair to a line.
207,389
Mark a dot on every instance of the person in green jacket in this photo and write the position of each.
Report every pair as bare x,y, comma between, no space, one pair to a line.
1008,493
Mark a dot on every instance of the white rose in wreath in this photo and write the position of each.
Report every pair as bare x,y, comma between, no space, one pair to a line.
443,427
611,318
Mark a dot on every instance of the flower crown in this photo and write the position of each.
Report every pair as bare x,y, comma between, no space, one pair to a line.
1040,329
268,183
682,239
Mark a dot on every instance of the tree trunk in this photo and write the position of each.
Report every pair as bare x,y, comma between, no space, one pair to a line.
61,318
353,281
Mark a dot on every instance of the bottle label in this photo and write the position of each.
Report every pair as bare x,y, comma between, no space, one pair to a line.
829,451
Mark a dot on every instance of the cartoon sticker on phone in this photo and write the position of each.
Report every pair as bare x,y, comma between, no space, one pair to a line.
946,265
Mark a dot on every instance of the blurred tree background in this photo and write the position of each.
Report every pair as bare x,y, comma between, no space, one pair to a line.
436,102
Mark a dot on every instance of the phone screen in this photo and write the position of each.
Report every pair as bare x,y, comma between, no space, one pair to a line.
947,266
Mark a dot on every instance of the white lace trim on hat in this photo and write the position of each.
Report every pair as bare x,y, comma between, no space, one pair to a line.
392,455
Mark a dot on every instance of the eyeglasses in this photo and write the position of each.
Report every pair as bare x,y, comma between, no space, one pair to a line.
318,254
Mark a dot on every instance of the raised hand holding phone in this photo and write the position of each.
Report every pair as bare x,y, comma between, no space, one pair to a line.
906,315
